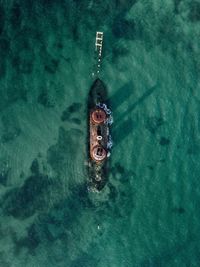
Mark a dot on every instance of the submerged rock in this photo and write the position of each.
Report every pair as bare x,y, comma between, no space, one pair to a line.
68,112
51,66
24,61
45,100
154,123
194,14
23,202
179,210
16,16
11,128
35,167
2,19
30,241
4,46
164,141
123,28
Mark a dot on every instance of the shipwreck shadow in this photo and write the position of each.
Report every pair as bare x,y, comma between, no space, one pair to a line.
124,124
122,94
137,103
122,130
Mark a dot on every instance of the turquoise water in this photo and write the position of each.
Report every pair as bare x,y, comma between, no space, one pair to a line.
148,213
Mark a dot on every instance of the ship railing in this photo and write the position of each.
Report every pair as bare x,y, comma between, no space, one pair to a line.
105,108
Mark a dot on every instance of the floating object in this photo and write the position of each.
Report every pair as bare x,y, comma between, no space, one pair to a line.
98,48
99,40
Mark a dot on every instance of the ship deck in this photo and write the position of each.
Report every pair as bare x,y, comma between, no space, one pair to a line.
96,131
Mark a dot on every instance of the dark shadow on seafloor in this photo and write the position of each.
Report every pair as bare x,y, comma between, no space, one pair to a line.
179,210
124,124
70,111
138,102
44,99
121,95
153,123
32,199
11,128
122,130
164,141
24,201
194,13
55,225
4,172
2,19
63,217
85,260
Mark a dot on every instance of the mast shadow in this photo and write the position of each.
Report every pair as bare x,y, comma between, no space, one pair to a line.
121,95
124,124
138,102
123,130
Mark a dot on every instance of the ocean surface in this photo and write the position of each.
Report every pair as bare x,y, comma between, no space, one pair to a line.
148,214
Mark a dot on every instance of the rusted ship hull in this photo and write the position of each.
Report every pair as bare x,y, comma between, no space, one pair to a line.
100,143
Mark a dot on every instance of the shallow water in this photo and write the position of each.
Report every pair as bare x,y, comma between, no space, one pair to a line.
148,213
